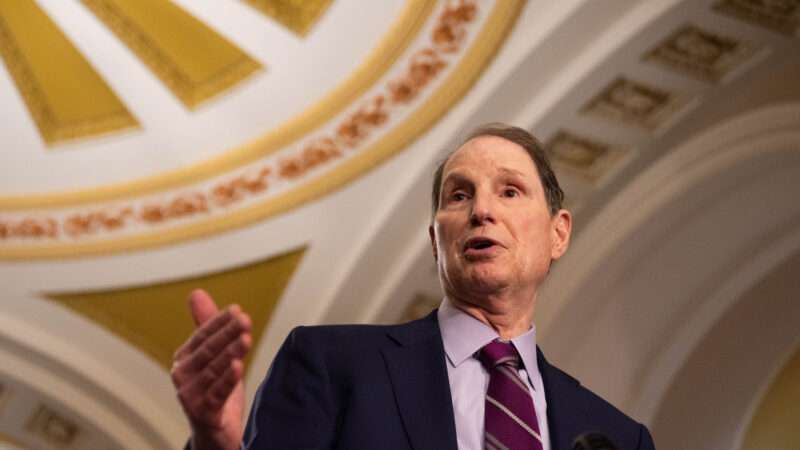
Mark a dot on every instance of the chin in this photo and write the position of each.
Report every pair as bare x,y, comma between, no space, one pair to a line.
487,283
485,279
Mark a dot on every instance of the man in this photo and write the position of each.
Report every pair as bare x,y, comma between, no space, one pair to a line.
468,376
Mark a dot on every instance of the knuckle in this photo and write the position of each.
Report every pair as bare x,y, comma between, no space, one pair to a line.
179,352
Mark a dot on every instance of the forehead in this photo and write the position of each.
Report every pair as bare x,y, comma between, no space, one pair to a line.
490,153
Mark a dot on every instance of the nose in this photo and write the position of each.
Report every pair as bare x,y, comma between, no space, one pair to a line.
482,210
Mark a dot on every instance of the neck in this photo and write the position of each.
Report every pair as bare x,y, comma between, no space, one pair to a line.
510,316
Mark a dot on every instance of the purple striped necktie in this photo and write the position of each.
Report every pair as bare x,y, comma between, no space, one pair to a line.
509,418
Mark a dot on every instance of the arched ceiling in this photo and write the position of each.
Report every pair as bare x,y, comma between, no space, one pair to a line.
168,143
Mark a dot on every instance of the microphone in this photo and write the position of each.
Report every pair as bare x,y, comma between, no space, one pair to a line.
592,441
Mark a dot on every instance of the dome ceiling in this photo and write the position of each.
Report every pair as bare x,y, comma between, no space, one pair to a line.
320,116
279,153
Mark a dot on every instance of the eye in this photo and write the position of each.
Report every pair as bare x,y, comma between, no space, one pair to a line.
458,196
510,192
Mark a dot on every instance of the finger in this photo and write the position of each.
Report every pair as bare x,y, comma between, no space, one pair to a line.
215,345
187,370
224,385
235,350
202,306
197,398
216,361
193,391
210,328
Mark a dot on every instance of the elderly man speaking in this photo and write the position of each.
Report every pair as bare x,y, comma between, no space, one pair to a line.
467,376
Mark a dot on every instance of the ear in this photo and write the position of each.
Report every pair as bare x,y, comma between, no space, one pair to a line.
561,229
432,234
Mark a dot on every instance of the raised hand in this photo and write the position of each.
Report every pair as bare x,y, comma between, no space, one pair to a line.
207,373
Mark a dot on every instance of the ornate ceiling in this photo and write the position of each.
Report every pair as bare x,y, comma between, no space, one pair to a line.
279,154
290,155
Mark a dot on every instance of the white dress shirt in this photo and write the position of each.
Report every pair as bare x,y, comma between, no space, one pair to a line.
463,336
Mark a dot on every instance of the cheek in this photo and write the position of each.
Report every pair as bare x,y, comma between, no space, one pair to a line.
447,236
535,244
446,250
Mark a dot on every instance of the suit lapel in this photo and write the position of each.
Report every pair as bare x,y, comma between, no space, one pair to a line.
416,365
566,420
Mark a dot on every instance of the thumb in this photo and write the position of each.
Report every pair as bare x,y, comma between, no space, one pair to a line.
202,306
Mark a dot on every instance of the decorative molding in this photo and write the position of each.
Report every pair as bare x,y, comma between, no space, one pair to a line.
737,140
635,103
700,53
298,16
29,227
160,34
112,410
380,60
686,193
426,63
33,49
52,427
582,156
423,66
782,16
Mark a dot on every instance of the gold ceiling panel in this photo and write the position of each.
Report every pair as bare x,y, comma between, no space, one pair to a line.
65,96
774,423
194,61
156,318
296,15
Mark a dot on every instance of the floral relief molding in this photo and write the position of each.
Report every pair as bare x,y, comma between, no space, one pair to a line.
379,125
446,39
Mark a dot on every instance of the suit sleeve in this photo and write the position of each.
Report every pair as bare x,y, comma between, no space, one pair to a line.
645,440
293,407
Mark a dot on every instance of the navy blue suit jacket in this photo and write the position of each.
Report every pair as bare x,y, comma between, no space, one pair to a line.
386,387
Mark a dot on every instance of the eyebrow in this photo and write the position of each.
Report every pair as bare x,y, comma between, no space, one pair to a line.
456,177
512,172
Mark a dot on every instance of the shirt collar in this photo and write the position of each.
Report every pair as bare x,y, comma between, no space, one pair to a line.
463,335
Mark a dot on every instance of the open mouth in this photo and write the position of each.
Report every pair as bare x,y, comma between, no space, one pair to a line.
478,243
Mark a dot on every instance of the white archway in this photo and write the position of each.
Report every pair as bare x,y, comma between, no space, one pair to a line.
667,261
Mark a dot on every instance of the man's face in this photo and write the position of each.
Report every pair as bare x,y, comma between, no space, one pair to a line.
493,229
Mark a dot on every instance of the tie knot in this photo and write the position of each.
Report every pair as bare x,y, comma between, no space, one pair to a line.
496,353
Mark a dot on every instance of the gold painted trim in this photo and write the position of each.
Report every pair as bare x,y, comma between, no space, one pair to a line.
299,17
377,63
485,46
35,81
158,46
